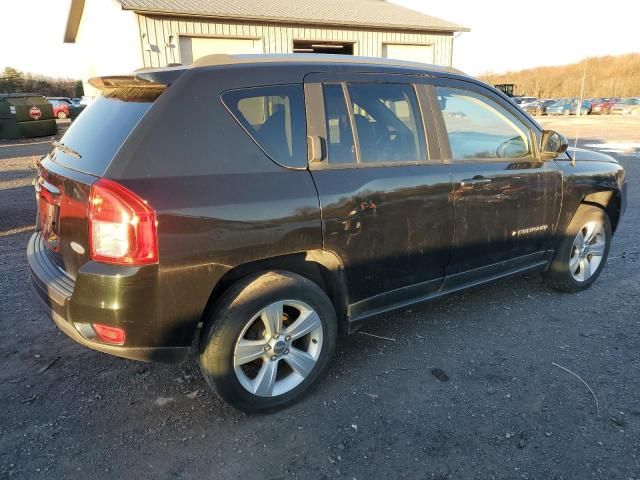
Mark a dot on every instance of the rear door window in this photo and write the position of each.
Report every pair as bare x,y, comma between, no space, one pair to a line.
274,117
387,121
339,133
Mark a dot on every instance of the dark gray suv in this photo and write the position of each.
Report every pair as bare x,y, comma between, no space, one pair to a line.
256,206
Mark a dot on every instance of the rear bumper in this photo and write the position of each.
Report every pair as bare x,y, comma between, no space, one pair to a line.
54,289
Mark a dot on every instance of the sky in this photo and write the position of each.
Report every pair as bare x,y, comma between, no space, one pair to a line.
516,34
504,35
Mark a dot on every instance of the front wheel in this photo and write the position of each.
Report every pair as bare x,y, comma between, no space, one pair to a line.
268,341
583,251
62,115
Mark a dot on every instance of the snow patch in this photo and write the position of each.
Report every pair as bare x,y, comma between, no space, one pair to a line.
629,148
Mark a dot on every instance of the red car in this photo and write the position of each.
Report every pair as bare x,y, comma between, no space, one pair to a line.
602,106
60,108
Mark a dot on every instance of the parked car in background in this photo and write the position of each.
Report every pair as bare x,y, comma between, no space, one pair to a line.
61,109
66,100
602,106
520,101
145,259
627,106
64,107
569,106
538,108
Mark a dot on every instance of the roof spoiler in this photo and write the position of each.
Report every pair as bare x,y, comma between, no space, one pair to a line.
143,78
123,81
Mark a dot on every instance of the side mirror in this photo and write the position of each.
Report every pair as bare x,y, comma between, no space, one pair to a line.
552,144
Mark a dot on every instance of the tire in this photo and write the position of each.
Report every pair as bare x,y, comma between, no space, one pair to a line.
242,315
568,271
62,115
567,113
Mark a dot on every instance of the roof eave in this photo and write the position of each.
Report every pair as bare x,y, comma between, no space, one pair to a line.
73,21
287,21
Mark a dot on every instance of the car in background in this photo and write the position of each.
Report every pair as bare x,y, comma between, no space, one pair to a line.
569,106
64,107
628,106
521,101
603,105
538,108
61,109
66,100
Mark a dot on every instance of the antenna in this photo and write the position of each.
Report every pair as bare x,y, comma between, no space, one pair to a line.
579,112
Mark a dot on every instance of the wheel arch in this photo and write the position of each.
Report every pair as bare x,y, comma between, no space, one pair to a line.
322,267
609,201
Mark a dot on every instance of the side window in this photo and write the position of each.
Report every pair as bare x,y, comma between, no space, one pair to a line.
339,133
388,123
275,118
480,128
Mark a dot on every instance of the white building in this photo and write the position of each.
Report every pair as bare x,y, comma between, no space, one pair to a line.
119,36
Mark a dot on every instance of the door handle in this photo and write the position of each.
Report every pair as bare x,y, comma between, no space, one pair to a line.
477,180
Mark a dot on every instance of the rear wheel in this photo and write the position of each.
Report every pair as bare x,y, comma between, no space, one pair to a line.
583,251
268,341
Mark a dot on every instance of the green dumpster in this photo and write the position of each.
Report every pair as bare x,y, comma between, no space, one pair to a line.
8,124
32,114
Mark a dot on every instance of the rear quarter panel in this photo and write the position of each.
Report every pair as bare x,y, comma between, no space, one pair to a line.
219,200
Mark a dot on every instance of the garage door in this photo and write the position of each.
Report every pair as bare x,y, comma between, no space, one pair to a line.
192,48
413,53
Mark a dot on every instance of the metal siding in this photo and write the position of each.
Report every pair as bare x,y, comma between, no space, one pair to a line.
278,38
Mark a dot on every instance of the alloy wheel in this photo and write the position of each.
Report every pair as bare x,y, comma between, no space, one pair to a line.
587,251
278,348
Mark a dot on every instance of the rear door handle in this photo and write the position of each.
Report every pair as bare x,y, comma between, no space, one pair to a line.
478,180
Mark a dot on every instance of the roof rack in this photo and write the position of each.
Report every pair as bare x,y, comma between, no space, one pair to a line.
315,58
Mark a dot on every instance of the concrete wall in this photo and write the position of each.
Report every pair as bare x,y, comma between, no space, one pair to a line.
109,41
162,33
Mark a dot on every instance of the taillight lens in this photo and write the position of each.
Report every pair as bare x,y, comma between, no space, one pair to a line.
108,334
122,227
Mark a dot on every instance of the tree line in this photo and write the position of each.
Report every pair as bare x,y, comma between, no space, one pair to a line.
610,76
15,81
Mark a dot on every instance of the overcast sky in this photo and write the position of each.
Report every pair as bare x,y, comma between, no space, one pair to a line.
504,35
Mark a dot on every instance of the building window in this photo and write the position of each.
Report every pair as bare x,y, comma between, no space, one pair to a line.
320,46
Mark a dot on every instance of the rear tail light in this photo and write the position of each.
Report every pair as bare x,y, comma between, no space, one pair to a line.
122,227
113,335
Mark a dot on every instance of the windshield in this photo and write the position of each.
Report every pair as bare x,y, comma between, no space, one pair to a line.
99,132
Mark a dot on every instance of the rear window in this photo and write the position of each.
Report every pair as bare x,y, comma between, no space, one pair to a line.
275,118
99,132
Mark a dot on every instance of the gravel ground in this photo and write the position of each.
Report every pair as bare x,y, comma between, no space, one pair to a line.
500,408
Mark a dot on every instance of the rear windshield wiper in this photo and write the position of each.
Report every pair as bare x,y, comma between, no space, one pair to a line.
67,150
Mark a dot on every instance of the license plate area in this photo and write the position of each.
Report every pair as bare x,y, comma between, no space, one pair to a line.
49,219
